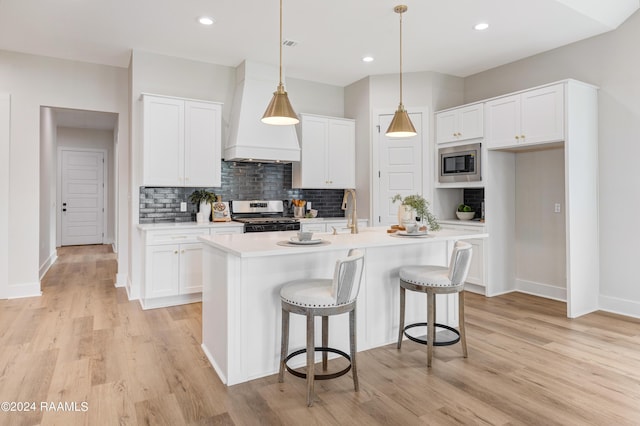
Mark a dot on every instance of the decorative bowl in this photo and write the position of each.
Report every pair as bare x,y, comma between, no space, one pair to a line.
465,215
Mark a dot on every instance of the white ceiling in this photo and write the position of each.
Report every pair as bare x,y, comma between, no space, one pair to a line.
333,35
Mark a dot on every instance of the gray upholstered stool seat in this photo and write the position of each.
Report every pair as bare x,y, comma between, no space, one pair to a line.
434,280
322,297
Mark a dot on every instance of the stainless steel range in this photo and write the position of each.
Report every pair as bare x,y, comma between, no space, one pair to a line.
263,216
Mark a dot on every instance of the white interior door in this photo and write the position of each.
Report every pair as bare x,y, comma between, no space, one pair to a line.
82,175
400,167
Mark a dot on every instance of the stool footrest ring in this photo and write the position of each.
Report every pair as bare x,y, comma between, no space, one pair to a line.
318,376
435,342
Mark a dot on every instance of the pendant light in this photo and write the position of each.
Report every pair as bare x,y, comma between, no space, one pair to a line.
401,126
280,112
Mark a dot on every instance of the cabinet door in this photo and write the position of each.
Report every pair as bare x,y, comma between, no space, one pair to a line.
446,126
341,154
460,124
542,115
471,122
476,269
191,268
202,149
313,161
163,141
161,274
503,122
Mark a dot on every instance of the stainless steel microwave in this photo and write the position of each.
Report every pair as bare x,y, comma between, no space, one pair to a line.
459,163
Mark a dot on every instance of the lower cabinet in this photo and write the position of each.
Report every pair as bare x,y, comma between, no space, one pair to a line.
173,264
476,279
173,270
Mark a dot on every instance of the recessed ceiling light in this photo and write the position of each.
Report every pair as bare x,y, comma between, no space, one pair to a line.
481,26
367,59
206,20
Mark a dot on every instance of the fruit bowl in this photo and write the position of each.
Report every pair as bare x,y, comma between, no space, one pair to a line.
465,215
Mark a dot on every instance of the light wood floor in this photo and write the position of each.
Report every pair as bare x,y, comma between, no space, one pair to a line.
83,341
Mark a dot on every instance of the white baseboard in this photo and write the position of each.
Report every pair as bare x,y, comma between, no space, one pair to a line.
114,248
215,366
19,291
121,280
47,263
163,302
543,290
616,305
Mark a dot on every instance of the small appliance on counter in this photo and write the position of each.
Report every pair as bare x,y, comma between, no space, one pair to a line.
220,211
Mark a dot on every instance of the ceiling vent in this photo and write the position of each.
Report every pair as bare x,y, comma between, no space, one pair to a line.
289,43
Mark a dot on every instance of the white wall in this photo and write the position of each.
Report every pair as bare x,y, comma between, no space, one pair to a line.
35,81
95,139
610,61
5,138
540,232
48,208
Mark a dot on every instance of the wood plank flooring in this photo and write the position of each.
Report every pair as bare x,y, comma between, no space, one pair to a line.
84,342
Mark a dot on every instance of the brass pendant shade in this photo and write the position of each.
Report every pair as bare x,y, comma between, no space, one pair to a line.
401,125
279,111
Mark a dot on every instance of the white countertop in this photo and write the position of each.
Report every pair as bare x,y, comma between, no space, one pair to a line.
266,243
461,222
187,225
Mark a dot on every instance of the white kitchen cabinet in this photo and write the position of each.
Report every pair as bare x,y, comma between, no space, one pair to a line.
459,124
327,157
181,142
476,278
173,267
528,118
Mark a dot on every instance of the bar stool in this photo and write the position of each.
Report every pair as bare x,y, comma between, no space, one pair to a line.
437,280
322,297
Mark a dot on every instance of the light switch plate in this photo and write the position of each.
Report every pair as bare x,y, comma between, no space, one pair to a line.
183,206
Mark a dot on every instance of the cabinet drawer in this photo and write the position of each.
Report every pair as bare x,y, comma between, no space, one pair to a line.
175,237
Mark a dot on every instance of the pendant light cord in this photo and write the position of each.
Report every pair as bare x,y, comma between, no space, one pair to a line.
401,59
281,42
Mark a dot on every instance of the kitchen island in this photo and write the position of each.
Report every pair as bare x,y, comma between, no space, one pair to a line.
243,274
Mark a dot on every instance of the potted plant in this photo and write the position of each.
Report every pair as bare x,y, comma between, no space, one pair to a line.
203,199
415,206
465,212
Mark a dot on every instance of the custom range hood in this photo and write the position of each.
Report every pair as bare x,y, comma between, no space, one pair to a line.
249,138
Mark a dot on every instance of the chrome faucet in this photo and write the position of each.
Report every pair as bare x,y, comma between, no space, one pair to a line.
352,218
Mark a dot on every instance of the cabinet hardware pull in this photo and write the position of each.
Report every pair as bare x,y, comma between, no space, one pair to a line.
521,136
175,252
517,137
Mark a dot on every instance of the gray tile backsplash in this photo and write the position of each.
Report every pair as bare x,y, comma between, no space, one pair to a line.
240,181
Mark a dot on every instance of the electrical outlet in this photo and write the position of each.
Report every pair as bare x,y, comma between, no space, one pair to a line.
556,208
183,206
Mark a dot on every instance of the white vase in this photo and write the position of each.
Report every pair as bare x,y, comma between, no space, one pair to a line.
205,209
406,214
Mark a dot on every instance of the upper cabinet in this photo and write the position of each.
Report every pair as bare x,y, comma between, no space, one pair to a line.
460,124
527,118
181,142
328,153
